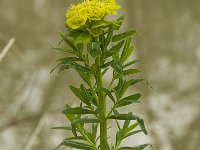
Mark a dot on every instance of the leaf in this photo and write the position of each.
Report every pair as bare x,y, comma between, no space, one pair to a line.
86,77
133,126
127,54
82,37
142,126
116,113
132,133
109,94
95,32
78,145
114,49
79,94
100,23
117,66
127,122
127,72
124,87
107,64
123,117
88,95
74,129
63,50
66,59
70,117
77,110
85,120
76,138
106,146
119,137
128,100
74,65
104,71
94,130
137,80
52,70
130,71
123,35
62,128
117,24
109,36
94,48
140,147
91,137
69,42
131,62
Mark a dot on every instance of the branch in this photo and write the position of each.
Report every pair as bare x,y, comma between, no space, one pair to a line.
36,132
7,48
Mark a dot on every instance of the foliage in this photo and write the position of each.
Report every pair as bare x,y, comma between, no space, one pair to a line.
93,53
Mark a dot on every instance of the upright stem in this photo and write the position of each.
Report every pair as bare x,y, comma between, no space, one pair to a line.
102,106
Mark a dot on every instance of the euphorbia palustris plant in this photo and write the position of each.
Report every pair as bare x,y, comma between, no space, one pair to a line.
95,50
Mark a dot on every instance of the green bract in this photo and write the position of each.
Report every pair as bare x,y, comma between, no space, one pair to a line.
95,49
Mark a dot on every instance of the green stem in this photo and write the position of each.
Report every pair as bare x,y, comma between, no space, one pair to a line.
102,105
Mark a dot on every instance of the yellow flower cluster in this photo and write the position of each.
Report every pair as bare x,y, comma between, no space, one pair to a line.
78,15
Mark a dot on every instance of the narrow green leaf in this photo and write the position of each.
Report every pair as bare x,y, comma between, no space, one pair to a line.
79,94
52,70
119,137
127,72
127,122
140,147
125,86
74,130
116,48
104,71
107,64
142,126
70,117
78,145
123,117
109,36
130,71
74,65
91,137
69,42
108,92
76,138
137,80
106,146
63,50
131,62
77,110
128,100
133,126
66,59
94,130
62,128
127,54
86,77
117,66
85,120
94,48
117,24
116,113
132,133
123,35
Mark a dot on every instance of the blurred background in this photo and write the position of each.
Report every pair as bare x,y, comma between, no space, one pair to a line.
31,100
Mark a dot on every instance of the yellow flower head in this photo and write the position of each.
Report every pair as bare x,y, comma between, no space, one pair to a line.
111,6
78,15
